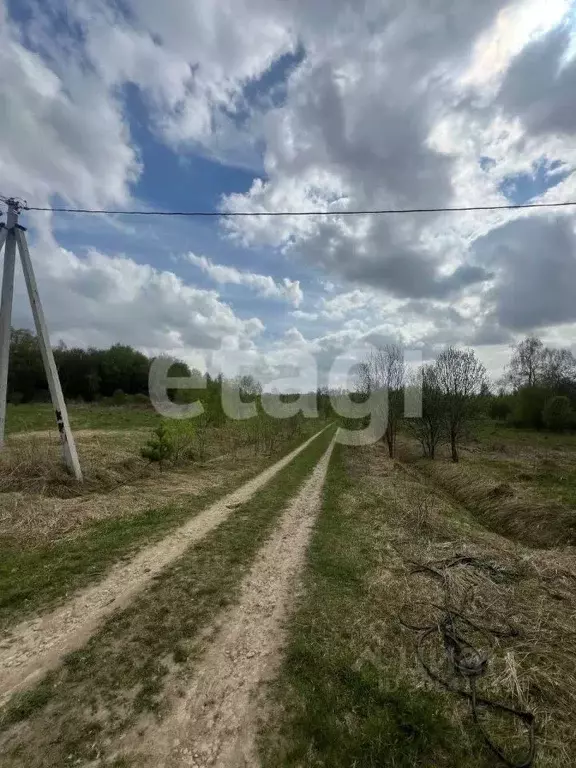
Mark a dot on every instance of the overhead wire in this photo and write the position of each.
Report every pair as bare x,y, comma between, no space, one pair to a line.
247,214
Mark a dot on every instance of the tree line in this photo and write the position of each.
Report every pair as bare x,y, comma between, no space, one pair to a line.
117,376
85,374
537,391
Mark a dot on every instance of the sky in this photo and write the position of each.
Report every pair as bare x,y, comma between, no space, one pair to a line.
268,105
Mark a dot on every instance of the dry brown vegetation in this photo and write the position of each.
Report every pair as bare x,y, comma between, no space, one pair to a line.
394,553
40,502
522,493
530,590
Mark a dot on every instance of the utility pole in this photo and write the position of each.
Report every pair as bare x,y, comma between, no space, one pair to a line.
14,235
9,237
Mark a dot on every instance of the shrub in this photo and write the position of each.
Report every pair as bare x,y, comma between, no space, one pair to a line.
500,408
182,437
557,414
158,447
141,399
15,398
528,406
119,398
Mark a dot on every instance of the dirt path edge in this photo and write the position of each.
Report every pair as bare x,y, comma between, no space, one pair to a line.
35,646
216,722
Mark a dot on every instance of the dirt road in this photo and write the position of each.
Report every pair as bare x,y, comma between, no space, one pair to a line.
215,723
35,646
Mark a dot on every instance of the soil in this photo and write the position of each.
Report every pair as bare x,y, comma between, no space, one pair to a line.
215,723
35,646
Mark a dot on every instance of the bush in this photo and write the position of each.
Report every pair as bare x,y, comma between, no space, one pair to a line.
500,408
557,414
528,406
158,447
119,398
182,437
141,399
15,398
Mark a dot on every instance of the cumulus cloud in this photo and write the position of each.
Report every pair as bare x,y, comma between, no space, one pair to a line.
60,135
540,84
263,285
354,132
101,299
535,265
387,105
340,306
191,62
301,315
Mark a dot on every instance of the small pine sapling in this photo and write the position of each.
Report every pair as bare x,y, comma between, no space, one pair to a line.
158,447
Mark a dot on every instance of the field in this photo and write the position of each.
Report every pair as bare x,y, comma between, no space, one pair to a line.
281,600
38,417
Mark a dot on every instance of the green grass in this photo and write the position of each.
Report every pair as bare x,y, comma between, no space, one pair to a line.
559,483
123,670
548,478
343,698
37,577
31,417
489,433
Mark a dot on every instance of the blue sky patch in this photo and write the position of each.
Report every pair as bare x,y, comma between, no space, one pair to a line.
182,181
487,163
271,87
521,188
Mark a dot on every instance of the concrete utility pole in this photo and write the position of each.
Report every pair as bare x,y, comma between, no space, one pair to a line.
12,235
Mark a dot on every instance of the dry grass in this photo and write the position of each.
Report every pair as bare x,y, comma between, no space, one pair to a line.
121,678
534,591
32,462
40,502
504,501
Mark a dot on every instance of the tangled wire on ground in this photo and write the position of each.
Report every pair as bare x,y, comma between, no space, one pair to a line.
466,661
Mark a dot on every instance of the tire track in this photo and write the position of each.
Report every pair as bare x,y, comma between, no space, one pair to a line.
215,724
37,645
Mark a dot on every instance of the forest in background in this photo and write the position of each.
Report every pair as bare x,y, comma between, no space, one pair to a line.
538,389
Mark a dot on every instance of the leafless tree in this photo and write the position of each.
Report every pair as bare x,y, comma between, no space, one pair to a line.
559,366
429,428
527,363
386,370
533,364
460,376
249,386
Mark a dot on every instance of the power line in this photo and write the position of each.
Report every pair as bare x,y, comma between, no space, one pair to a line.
237,214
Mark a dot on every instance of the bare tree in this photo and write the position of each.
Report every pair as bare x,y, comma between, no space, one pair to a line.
428,429
386,370
527,363
533,364
559,366
249,386
460,376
